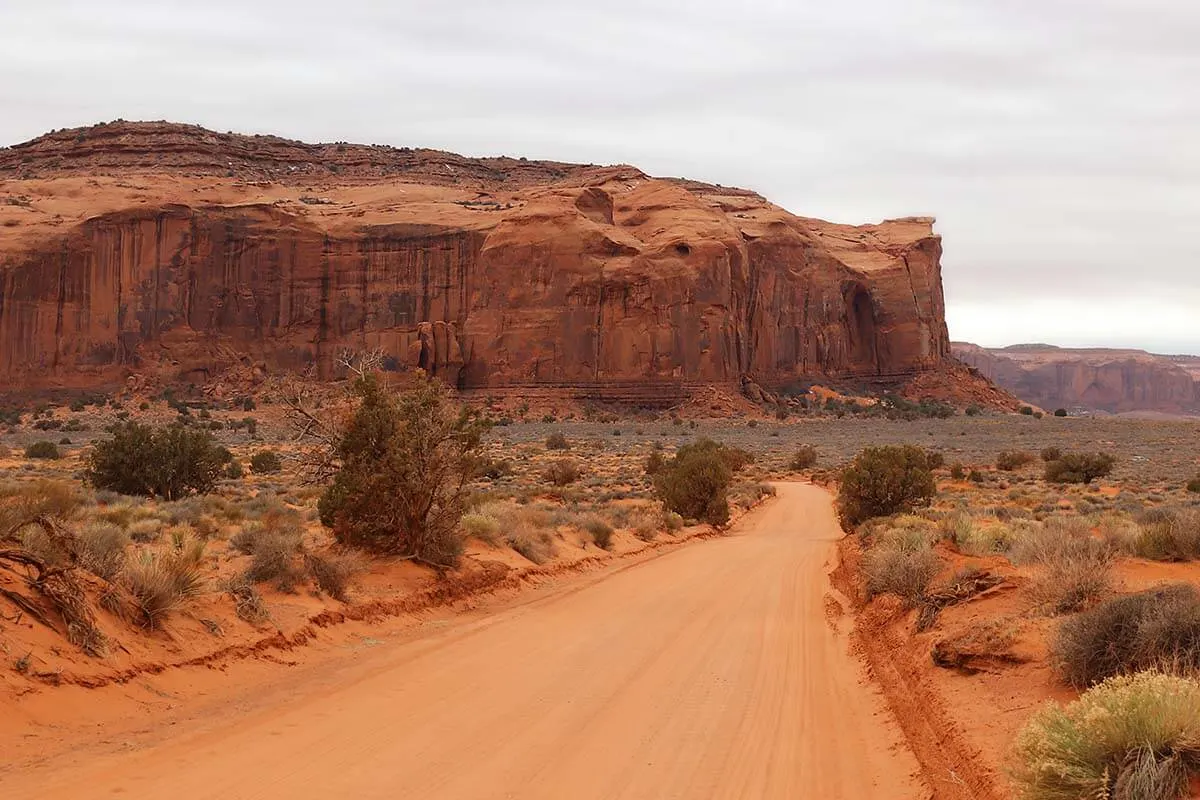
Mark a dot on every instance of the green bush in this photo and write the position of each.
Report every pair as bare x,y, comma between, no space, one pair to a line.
695,483
1060,412
167,462
266,462
882,481
43,449
1155,629
805,458
1079,467
407,462
1135,737
1027,411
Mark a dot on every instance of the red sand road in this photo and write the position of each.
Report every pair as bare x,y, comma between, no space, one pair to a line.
708,672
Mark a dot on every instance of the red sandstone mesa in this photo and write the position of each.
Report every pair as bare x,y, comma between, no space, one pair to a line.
170,249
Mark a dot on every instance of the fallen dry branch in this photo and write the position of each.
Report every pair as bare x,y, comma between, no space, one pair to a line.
962,588
57,584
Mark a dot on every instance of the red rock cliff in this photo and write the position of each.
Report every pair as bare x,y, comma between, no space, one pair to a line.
171,249
1094,378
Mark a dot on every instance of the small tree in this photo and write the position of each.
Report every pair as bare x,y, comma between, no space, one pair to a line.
406,463
695,483
167,462
885,480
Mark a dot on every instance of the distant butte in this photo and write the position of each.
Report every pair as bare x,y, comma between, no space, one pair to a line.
171,250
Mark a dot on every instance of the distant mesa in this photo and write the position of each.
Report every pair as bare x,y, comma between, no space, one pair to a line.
1112,380
178,252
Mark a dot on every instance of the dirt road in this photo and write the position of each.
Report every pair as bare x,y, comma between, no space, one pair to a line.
709,672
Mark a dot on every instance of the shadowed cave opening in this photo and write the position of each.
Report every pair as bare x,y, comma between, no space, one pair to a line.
860,318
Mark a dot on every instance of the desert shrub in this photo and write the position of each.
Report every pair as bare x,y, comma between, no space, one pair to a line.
601,532
160,581
882,481
957,471
695,483
1074,568
102,549
1010,460
557,441
1154,629
234,470
654,463
901,562
145,530
483,527
495,468
1060,412
935,459
266,462
672,521
1079,467
562,472
334,572
22,503
975,476
1051,454
43,449
407,462
973,539
167,462
1173,537
1133,736
1027,411
805,457
535,544
1193,485
275,557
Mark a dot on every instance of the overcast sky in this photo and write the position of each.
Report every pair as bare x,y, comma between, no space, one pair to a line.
1056,141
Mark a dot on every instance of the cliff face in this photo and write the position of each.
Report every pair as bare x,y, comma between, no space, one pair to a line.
1107,380
138,247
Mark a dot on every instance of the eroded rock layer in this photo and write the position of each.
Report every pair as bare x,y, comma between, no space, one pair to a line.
165,249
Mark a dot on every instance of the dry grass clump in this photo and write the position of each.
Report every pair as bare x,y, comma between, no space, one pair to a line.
535,544
805,457
102,549
1155,629
335,572
1174,537
901,561
160,580
275,544
145,530
557,441
600,531
1134,737
483,527
21,503
972,538
1074,568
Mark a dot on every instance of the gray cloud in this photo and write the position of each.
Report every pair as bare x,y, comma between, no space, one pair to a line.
1058,142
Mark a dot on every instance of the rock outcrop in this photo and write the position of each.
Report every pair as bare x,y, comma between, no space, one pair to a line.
1090,378
172,250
